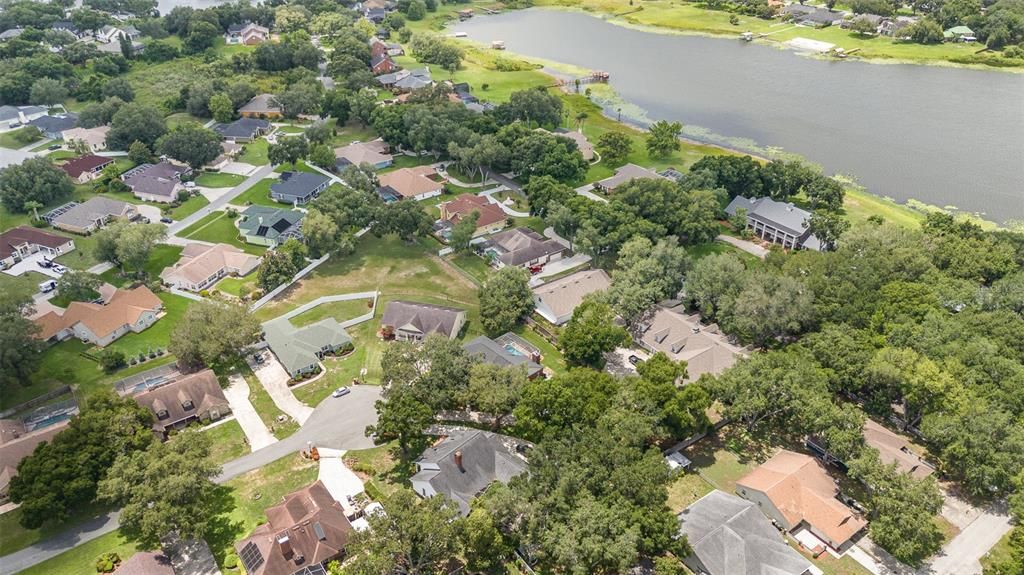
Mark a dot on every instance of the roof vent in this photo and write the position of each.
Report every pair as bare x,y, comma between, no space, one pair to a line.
458,461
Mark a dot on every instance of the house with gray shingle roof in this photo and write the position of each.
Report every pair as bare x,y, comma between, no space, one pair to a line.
777,222
53,126
522,247
298,188
730,536
300,349
264,226
243,129
465,463
486,350
11,116
155,182
91,214
413,321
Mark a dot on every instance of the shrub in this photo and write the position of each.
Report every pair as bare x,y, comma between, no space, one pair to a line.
231,561
107,562
133,361
111,359
204,293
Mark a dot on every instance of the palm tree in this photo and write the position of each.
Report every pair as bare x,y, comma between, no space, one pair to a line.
34,206
580,118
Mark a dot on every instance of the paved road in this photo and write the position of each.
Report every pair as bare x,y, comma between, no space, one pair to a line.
337,423
962,555
220,202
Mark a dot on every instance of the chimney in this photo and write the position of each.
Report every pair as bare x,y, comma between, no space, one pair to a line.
286,545
260,220
458,461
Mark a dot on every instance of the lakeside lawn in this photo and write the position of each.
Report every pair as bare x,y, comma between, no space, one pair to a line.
219,180
216,227
479,68
258,194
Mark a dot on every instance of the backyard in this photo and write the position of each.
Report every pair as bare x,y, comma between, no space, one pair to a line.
216,227
162,256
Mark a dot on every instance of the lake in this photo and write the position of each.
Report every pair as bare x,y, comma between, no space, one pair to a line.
942,135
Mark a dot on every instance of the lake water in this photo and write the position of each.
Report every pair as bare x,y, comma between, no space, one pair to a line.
945,136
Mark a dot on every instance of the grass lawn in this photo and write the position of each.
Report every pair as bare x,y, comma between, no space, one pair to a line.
720,466
473,265
403,161
830,565
339,310
16,139
219,180
82,257
685,490
162,256
342,370
380,471
352,132
216,227
998,553
479,68
238,287
258,194
82,559
255,153
228,442
551,358
181,119
157,335
533,222
191,206
299,166
289,129
14,537
703,250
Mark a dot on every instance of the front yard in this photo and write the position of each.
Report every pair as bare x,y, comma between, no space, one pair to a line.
162,256
218,180
218,228
258,194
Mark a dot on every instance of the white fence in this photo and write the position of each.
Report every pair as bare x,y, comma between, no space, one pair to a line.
334,298
273,293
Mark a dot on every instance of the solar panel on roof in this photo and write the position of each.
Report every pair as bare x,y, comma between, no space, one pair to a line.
319,530
281,225
251,557
262,230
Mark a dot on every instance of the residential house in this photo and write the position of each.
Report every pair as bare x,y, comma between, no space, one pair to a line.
730,536
896,27
243,129
18,243
300,349
202,265
406,80
373,153
382,64
298,188
16,444
892,448
465,464
556,300
582,143
14,116
248,34
796,492
821,18
413,321
490,217
155,182
261,106
269,227
90,215
796,10
229,150
193,398
522,247
67,26
375,15
108,34
704,348
874,19
776,222
131,310
377,47
625,174
302,534
85,168
487,350
146,563
417,183
959,34
94,138
11,33
115,47
395,50
53,126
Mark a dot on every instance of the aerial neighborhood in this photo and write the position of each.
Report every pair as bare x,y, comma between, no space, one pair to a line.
298,288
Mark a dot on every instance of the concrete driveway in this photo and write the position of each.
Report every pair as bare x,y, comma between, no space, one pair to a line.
558,266
275,380
237,394
962,555
30,264
150,212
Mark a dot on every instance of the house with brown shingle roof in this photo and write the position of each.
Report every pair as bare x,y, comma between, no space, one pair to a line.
201,266
19,445
417,183
413,320
131,310
704,348
18,243
375,153
522,247
491,218
85,168
304,532
146,563
196,397
555,301
797,493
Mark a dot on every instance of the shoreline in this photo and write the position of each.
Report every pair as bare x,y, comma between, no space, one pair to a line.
620,20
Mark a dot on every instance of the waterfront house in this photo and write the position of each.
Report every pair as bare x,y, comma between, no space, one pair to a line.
776,222
623,175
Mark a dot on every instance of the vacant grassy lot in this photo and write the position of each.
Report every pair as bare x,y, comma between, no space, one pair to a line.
219,180
258,194
218,228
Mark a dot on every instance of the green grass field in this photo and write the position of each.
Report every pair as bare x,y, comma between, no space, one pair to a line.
258,194
82,559
216,227
228,442
339,310
16,139
255,153
237,286
191,206
265,406
219,180
162,256
158,335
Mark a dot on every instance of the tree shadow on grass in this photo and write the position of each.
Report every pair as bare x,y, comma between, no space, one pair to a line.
223,531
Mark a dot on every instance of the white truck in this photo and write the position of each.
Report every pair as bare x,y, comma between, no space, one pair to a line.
47,286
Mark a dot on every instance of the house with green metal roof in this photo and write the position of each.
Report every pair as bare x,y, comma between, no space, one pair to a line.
300,349
266,226
959,34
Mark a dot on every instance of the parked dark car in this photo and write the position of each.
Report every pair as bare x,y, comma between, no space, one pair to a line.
166,221
635,360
